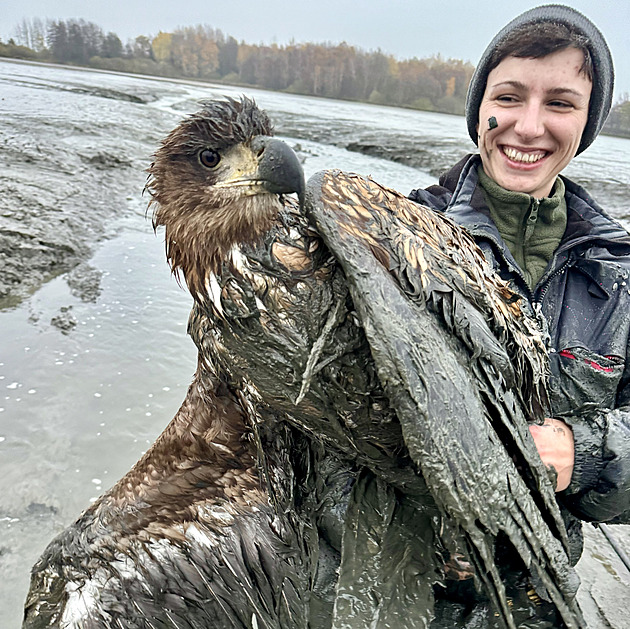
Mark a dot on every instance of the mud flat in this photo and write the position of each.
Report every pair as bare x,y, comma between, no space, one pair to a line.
72,158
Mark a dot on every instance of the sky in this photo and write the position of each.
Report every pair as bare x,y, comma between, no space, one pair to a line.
404,28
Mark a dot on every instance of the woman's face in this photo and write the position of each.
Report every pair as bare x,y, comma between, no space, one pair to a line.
541,109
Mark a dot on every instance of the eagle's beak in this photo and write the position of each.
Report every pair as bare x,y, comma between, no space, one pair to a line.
278,166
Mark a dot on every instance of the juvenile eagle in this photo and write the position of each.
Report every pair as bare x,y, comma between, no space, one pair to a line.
359,412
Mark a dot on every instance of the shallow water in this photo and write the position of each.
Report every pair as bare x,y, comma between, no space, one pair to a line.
78,406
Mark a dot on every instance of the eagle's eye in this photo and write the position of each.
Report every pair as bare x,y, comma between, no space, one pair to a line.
209,158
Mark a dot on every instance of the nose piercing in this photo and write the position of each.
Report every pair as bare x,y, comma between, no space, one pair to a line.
492,123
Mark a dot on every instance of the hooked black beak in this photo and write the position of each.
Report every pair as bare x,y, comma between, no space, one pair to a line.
278,166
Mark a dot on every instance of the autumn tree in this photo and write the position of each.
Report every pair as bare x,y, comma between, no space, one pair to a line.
140,48
112,46
74,40
228,56
194,51
618,122
202,52
57,39
161,47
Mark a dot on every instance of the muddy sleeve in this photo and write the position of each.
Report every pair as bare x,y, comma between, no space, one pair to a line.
435,197
600,485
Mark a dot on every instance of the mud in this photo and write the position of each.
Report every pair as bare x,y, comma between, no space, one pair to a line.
56,203
85,282
72,159
65,321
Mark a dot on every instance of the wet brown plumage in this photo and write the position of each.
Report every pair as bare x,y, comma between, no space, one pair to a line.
359,411
191,537
206,208
465,369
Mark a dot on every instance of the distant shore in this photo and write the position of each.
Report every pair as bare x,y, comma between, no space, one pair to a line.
618,124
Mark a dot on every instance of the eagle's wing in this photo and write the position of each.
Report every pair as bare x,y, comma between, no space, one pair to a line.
462,366
186,539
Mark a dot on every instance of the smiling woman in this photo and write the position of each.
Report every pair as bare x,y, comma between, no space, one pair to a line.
539,96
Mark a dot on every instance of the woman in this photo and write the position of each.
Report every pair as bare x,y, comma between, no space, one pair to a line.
539,96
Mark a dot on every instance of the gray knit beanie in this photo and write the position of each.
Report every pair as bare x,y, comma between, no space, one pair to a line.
603,73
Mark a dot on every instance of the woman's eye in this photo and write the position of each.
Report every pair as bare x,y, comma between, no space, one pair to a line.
209,159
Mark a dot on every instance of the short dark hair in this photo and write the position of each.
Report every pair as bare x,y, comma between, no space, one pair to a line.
533,41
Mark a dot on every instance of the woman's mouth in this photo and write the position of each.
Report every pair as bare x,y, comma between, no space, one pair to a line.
523,157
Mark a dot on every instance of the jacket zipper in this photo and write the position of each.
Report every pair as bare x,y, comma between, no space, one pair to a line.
532,219
537,302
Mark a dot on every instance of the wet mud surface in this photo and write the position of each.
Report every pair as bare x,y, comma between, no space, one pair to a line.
72,160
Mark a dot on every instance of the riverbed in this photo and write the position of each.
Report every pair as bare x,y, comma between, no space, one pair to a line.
94,357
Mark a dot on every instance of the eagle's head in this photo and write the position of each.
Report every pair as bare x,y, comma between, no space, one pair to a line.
216,181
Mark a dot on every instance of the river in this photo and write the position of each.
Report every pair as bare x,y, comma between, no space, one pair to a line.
95,361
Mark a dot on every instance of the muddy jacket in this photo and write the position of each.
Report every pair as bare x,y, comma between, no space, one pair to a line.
584,298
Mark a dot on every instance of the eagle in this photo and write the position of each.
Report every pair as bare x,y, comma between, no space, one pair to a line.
357,419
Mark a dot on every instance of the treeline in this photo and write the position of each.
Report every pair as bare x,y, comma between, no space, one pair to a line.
204,53
200,52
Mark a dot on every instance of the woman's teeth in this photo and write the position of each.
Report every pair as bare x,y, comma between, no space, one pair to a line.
517,156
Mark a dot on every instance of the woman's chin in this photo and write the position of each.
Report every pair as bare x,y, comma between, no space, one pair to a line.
526,178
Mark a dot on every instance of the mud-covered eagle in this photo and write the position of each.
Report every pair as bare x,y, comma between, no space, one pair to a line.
359,412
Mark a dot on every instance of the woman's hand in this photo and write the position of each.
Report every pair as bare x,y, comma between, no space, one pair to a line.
554,441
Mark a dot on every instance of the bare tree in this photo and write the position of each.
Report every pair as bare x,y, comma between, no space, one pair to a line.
31,33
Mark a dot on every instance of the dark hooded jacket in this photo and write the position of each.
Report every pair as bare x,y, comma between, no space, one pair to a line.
583,301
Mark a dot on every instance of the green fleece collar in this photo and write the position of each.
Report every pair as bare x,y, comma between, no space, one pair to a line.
531,228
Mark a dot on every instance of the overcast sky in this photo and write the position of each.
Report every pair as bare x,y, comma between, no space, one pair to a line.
405,28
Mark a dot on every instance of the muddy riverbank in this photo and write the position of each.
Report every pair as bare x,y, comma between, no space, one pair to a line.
69,167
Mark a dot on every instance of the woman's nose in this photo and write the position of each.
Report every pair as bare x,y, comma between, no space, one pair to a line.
530,123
